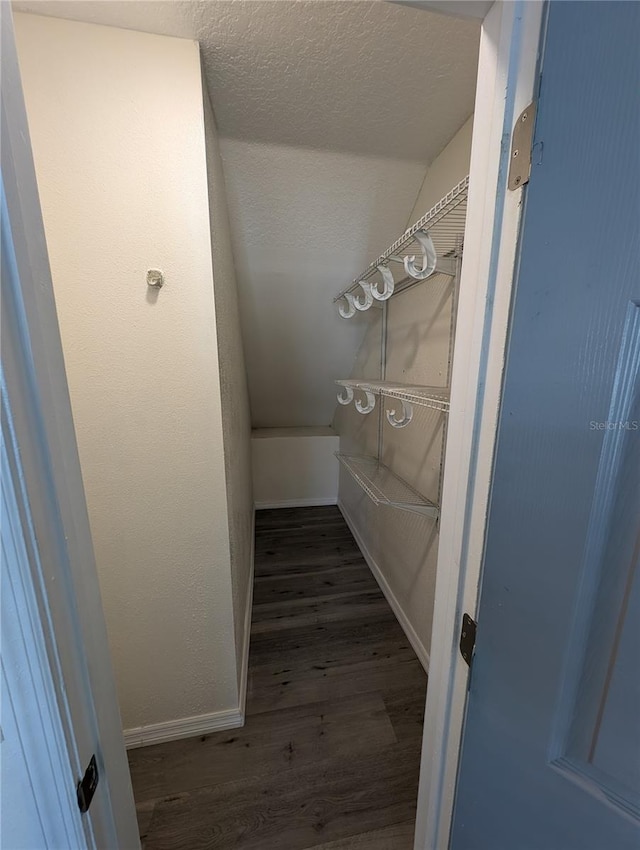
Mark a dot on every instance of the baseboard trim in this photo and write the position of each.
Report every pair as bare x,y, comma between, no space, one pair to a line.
186,727
217,721
298,503
244,670
412,637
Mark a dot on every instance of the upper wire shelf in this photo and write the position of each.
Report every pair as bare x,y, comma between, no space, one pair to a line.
437,236
384,487
437,398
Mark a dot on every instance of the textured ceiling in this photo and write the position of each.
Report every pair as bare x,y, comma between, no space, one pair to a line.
329,114
365,77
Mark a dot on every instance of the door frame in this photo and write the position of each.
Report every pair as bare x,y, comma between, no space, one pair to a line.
507,82
49,475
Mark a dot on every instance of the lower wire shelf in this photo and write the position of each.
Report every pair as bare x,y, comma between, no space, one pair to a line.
384,487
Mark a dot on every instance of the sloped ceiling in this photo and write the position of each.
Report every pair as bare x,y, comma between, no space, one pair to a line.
329,114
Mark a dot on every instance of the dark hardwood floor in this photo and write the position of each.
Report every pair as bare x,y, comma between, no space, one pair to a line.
329,755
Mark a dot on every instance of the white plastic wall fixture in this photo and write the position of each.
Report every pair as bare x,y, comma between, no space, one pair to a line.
428,254
400,421
364,300
155,278
368,407
350,310
389,284
363,303
345,396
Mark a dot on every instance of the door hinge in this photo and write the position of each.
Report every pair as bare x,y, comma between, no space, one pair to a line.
468,638
521,146
86,787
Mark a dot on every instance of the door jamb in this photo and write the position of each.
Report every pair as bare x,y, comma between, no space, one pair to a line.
507,82
38,397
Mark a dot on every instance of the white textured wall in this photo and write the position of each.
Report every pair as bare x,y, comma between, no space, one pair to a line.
236,416
305,222
451,165
295,466
116,119
403,545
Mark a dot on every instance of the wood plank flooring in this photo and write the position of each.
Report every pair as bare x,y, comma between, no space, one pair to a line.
329,755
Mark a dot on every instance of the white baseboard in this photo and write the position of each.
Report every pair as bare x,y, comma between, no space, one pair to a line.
298,503
412,637
217,721
186,727
246,635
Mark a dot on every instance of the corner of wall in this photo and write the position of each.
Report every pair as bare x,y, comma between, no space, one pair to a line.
246,632
236,415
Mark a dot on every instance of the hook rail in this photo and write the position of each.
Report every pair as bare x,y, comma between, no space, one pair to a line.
436,398
438,236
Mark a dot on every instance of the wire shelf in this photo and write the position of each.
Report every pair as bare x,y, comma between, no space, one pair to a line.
436,398
445,224
384,487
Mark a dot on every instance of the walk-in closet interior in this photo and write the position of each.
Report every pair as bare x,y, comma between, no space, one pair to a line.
255,216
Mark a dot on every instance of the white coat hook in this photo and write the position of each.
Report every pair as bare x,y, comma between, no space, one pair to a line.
429,257
350,310
368,407
400,421
389,284
363,303
345,396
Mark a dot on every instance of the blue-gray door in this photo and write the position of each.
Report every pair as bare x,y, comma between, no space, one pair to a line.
551,746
